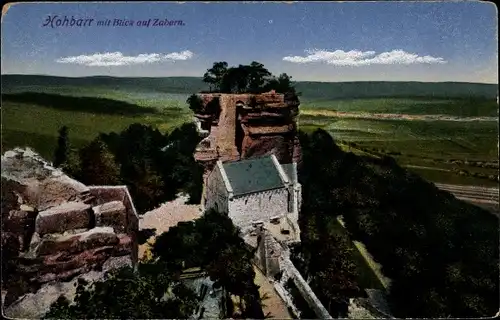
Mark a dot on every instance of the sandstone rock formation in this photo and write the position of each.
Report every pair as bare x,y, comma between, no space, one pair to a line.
56,229
242,126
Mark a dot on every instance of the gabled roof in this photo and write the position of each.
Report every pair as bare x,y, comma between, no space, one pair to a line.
253,175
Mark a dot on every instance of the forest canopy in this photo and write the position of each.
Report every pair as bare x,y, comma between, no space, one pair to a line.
252,78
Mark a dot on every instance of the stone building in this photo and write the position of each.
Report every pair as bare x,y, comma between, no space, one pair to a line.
251,140
257,190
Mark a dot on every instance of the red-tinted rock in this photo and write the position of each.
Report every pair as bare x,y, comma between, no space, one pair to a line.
112,214
61,246
246,126
104,194
125,245
59,189
66,216
63,266
93,238
279,145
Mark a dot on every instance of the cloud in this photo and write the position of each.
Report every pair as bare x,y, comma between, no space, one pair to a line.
362,58
111,59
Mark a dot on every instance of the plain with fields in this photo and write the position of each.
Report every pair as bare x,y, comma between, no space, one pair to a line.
35,107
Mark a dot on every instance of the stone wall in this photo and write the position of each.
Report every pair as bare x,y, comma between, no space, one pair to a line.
58,229
273,258
120,197
216,195
306,292
260,206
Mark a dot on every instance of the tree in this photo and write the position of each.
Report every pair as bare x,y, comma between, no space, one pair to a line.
98,165
128,295
73,165
61,152
213,243
325,255
282,84
146,186
334,274
425,239
195,103
194,186
258,76
235,80
153,165
253,78
214,75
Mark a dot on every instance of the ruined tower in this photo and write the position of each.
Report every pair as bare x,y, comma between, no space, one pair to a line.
243,126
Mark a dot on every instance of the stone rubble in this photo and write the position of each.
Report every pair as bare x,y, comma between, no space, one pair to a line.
60,230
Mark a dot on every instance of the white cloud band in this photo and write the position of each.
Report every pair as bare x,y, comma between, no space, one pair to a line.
111,59
359,58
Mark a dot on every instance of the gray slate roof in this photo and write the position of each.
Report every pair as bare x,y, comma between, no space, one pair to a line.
253,175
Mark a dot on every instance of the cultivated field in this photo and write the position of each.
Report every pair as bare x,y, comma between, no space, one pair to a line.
444,140
448,136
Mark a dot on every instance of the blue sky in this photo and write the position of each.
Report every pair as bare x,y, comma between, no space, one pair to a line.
336,41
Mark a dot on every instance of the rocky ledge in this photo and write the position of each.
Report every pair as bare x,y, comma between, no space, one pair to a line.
242,126
55,229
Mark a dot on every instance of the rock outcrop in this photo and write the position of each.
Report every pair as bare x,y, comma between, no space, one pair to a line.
242,126
55,229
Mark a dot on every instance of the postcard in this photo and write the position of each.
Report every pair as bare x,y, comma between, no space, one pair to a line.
281,160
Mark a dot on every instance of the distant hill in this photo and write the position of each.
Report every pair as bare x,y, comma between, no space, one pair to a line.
310,90
374,89
168,85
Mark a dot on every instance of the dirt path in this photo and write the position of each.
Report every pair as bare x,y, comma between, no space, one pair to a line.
394,116
167,215
424,167
273,303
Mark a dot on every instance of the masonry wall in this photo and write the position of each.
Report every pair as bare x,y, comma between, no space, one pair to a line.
261,206
105,194
273,259
304,289
216,195
295,203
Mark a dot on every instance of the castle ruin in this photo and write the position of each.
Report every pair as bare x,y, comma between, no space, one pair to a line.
243,126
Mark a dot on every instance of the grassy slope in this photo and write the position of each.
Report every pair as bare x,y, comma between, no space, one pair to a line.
310,90
32,124
36,124
184,85
462,107
380,89
437,138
